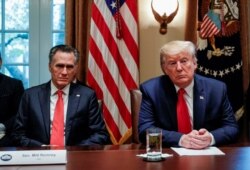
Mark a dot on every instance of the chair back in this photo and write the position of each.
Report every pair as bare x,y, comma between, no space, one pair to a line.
136,98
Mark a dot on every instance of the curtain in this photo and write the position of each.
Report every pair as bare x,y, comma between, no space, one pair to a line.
77,31
191,20
245,44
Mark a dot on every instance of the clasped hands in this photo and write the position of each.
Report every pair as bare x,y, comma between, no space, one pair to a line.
196,139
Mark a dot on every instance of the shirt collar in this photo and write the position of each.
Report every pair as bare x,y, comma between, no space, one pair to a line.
54,89
188,89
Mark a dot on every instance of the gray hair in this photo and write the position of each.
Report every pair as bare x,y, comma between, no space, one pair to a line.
176,47
66,49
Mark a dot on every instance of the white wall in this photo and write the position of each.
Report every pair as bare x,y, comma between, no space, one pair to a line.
150,40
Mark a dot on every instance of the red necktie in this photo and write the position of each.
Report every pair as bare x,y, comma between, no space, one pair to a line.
57,133
184,124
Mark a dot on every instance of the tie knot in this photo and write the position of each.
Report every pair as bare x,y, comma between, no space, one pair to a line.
181,91
59,93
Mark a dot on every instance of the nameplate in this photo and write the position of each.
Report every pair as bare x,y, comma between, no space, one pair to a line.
31,157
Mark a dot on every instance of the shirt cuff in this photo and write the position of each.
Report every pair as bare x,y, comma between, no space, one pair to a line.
212,141
179,143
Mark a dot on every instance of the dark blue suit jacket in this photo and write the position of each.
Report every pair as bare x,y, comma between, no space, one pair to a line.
84,121
211,110
11,90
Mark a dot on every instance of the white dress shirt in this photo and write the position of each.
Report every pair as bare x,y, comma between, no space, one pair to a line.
53,100
189,98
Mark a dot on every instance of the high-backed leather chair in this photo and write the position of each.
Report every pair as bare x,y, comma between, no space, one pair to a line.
136,97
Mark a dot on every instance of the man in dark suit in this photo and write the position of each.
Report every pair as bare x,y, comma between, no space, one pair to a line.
11,91
210,113
83,121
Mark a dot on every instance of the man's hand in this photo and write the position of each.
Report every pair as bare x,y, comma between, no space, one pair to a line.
196,139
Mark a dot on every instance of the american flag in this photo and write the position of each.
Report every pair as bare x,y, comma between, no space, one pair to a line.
211,25
114,62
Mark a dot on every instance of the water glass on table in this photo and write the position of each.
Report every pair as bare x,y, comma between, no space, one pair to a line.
154,144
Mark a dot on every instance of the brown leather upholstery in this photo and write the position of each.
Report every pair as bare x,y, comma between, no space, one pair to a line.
136,97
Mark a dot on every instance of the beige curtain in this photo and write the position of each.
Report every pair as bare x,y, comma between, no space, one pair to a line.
77,30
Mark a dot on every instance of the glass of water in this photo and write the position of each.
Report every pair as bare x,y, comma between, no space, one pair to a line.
154,144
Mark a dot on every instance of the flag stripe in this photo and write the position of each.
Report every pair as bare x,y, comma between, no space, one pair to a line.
113,62
130,34
99,86
108,118
207,24
112,126
109,82
210,25
110,58
132,5
108,32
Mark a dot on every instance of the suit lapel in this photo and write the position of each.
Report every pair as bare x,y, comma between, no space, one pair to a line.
73,101
172,100
199,103
168,94
44,101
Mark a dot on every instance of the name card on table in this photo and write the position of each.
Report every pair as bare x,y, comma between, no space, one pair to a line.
32,157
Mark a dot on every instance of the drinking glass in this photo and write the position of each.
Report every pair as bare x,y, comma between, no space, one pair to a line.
154,144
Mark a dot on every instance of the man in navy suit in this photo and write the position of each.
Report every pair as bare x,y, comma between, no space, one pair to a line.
83,121
11,90
211,115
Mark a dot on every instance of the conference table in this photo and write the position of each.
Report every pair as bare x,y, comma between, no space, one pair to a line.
123,157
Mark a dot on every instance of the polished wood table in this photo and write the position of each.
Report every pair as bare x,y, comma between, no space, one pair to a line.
123,157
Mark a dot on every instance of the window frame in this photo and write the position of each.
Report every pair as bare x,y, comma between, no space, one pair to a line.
40,40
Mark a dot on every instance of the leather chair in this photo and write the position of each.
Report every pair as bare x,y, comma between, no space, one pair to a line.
136,97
